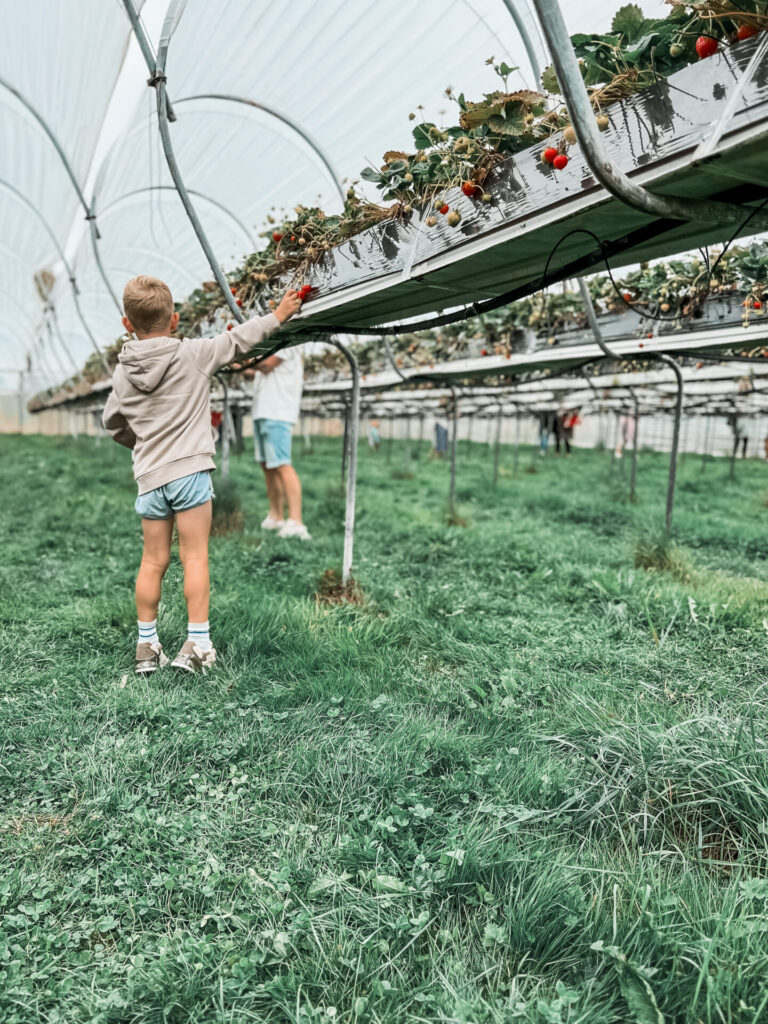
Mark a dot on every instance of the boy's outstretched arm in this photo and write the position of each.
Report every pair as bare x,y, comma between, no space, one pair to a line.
213,353
116,424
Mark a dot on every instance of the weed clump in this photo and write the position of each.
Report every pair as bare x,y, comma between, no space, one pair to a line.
227,510
331,590
659,554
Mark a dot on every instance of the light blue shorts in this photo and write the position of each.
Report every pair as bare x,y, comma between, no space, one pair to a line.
176,496
272,442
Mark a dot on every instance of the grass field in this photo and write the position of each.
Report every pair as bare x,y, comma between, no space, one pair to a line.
524,780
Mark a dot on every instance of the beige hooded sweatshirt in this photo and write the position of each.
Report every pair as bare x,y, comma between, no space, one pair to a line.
160,405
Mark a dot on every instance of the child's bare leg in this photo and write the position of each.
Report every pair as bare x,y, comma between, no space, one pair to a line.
154,563
194,526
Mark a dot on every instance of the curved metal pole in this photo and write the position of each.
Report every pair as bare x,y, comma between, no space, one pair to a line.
157,81
530,50
284,119
610,177
70,272
60,336
354,425
90,214
193,192
100,267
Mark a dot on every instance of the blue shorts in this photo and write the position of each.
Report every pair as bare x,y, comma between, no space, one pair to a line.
176,496
272,442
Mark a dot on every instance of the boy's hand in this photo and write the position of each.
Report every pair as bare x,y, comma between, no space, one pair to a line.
289,304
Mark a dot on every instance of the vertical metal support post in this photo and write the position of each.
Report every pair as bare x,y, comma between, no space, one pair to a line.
516,461
345,443
407,450
675,438
497,447
454,446
421,435
707,431
21,402
390,436
633,474
354,427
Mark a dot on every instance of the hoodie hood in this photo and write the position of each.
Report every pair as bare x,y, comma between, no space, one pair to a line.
146,362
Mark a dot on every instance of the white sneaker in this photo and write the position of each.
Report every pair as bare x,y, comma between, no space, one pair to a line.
270,523
291,528
192,658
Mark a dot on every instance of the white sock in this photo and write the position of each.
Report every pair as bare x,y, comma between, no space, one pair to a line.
148,632
199,634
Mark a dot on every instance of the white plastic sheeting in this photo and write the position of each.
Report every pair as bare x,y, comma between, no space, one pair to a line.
64,59
347,72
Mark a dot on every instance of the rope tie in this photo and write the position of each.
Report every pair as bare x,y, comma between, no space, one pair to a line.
156,78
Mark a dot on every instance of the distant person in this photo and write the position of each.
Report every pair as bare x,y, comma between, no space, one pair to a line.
160,407
374,437
627,427
278,382
565,424
547,426
739,435
441,440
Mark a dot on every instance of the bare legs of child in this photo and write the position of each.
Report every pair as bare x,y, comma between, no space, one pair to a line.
194,527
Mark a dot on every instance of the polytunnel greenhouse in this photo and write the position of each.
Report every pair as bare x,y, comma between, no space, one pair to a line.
384,436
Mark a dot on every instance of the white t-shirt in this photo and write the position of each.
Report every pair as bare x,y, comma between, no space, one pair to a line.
277,395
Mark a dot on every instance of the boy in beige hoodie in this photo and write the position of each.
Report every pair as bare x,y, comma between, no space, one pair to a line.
160,407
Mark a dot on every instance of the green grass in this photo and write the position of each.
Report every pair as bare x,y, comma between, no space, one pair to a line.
525,780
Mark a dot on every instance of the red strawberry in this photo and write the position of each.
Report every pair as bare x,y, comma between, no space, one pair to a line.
484,352
293,238
469,188
627,297
304,291
444,208
560,162
276,236
230,326
757,304
649,334
239,302
640,344
746,32
706,46
233,290
549,154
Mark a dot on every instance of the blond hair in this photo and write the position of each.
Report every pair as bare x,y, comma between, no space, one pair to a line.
148,303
